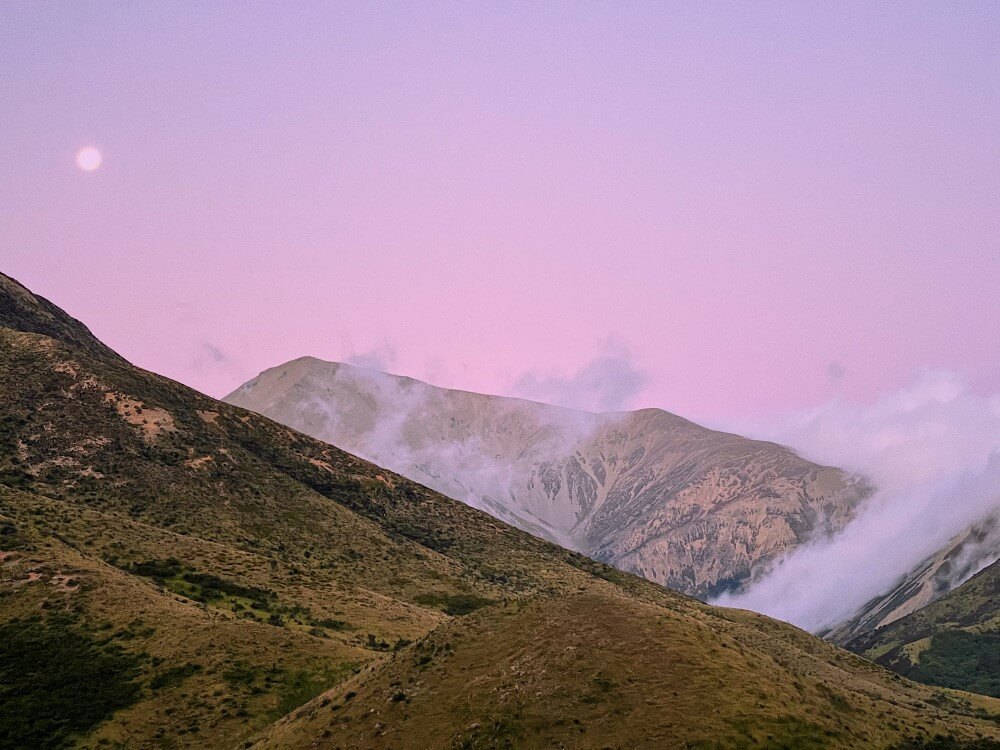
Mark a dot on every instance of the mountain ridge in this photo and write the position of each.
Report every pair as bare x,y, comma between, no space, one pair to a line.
22,310
644,490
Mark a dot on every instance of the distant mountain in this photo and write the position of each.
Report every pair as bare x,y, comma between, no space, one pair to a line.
646,491
952,642
176,572
956,562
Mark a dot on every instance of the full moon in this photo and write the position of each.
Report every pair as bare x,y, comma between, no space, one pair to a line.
88,159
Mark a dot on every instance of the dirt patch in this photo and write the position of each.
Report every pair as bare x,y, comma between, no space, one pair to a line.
195,463
150,420
67,367
321,464
73,370
386,481
208,417
60,461
89,445
64,582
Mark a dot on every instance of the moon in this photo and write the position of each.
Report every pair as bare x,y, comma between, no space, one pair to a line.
88,158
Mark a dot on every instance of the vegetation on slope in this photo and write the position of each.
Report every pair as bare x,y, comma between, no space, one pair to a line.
600,669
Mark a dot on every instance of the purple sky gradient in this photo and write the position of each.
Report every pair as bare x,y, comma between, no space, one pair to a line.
743,209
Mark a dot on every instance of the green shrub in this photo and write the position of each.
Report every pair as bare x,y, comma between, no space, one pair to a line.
455,605
160,569
174,676
966,661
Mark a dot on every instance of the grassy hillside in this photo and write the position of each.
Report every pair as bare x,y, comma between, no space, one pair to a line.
601,669
176,572
952,642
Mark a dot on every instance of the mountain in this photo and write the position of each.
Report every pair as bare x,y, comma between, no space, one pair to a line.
647,491
20,310
177,572
956,562
952,642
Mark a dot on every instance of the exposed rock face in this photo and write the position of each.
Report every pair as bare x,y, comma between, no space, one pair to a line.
647,491
965,555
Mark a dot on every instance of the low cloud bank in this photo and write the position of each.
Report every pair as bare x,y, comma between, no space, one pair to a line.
933,450
381,357
609,382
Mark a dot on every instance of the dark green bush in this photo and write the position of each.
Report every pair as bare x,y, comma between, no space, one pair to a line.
174,676
57,680
958,659
455,605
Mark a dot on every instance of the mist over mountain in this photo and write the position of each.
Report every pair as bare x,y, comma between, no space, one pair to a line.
953,641
933,450
647,491
960,559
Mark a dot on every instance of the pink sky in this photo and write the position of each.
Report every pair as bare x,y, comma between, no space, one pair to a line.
732,210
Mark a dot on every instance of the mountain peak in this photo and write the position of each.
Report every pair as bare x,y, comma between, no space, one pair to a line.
22,310
647,491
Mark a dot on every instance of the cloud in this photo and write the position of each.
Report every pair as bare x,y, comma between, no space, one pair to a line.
932,448
215,353
932,428
218,371
433,436
835,371
609,382
212,359
382,357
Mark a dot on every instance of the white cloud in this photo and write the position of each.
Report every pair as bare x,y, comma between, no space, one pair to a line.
928,447
609,382
382,357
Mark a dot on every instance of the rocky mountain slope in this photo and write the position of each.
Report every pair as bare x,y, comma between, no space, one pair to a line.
176,572
952,565
952,642
646,491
